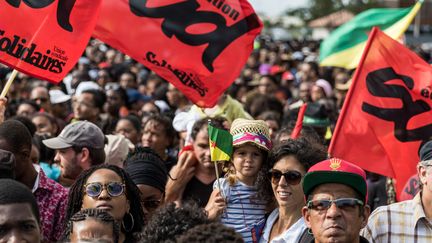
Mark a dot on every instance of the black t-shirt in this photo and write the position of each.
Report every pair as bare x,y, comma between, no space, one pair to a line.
170,162
198,191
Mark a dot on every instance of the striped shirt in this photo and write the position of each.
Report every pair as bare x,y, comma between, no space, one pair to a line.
244,212
399,222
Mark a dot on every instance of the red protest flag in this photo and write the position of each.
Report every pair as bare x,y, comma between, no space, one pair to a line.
299,123
386,115
45,38
200,46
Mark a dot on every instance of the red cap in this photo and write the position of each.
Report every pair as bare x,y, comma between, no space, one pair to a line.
336,170
275,69
287,75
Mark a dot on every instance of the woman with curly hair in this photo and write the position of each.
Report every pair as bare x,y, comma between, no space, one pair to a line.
288,163
109,188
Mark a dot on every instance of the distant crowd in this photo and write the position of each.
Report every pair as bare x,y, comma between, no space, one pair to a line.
115,153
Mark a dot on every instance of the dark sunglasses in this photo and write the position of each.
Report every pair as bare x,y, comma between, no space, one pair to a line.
342,203
94,189
151,204
292,177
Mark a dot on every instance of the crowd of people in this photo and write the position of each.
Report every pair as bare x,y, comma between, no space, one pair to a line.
115,153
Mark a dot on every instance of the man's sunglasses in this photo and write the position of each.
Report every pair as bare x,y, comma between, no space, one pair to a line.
114,189
342,203
292,177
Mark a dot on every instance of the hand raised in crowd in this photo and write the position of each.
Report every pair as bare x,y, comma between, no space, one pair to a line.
216,205
180,174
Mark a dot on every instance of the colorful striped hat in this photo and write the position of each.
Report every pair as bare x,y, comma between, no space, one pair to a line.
251,131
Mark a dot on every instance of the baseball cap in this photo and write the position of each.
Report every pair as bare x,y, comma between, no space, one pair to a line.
326,86
287,75
80,133
336,170
134,96
251,131
57,96
425,152
117,149
316,115
86,85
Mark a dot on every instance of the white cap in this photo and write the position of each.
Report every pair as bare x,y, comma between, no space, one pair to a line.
326,86
117,149
86,85
57,96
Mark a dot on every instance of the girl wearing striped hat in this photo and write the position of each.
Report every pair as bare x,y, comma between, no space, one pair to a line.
237,203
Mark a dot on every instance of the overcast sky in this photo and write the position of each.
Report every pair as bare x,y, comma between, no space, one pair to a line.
276,7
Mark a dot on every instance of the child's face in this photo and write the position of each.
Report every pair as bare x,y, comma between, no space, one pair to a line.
247,160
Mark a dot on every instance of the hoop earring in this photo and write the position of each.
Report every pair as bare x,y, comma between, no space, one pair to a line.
310,231
132,223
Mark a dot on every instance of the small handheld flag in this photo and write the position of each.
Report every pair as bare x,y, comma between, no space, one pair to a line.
220,142
221,147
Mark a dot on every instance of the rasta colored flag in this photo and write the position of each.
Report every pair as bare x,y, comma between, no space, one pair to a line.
344,46
387,113
220,144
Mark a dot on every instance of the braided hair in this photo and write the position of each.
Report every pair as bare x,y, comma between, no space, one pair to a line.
76,195
96,214
142,153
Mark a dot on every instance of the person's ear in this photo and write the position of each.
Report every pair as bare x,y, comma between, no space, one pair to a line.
306,216
85,158
85,153
422,174
366,213
26,153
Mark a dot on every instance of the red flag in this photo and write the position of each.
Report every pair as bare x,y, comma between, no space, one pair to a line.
199,46
387,113
299,123
45,38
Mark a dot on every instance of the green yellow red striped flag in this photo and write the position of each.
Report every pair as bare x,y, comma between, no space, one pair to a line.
345,45
220,144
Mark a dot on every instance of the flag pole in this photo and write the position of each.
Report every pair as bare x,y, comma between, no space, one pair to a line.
215,164
351,91
8,83
217,177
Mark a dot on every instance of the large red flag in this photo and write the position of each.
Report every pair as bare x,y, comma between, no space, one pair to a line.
387,114
199,46
45,38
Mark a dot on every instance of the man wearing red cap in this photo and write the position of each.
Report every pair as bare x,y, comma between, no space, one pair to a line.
407,221
336,194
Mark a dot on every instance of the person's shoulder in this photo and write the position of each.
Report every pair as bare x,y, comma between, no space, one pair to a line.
394,208
383,217
52,185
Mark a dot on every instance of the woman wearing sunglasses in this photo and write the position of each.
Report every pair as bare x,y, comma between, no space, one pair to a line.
109,188
288,164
